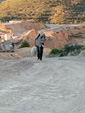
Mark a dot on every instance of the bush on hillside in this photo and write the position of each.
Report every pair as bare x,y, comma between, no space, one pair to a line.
24,44
53,11
54,51
72,50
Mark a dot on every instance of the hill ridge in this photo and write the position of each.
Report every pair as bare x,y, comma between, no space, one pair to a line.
51,11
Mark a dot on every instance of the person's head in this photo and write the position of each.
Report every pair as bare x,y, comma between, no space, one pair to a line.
41,33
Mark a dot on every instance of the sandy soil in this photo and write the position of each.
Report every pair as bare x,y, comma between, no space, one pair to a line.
55,85
21,53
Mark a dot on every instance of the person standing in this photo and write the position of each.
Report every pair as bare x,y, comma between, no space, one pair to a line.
39,42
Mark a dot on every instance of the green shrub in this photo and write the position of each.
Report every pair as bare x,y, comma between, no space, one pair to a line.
24,44
54,51
63,53
72,50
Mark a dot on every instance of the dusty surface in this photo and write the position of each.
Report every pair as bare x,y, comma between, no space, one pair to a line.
21,53
55,85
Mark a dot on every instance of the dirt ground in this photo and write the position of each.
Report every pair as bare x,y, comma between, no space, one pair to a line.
54,85
21,53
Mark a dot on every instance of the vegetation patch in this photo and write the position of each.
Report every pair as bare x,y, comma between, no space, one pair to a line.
72,50
54,51
47,11
25,44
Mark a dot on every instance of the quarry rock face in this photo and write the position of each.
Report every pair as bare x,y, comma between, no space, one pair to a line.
21,27
75,29
56,38
65,34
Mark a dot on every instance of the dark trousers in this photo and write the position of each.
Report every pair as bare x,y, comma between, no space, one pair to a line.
39,52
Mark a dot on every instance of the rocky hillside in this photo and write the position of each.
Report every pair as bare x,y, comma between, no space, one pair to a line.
21,27
50,11
57,35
